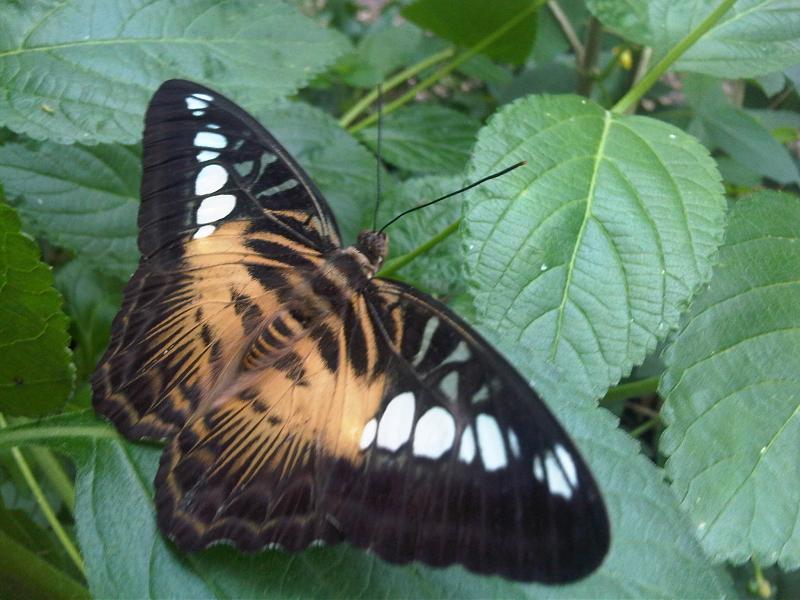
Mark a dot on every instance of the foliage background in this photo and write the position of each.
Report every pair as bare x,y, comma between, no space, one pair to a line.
642,270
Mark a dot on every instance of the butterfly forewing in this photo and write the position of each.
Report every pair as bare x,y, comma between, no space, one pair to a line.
228,221
304,400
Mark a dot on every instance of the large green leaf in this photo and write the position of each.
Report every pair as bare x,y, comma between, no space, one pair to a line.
754,37
91,301
467,22
83,70
425,138
588,254
653,551
85,198
36,371
732,390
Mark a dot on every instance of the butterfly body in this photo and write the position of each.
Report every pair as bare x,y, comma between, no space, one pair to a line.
304,399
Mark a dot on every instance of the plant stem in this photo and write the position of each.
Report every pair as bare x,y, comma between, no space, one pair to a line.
44,505
566,27
644,428
639,89
449,67
587,65
54,472
393,82
395,264
632,389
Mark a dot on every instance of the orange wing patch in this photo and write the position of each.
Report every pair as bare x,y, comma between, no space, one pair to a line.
182,327
245,471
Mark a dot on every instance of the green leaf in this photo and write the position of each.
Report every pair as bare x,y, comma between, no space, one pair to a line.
467,22
84,70
24,531
23,574
588,254
36,372
425,138
754,37
733,130
379,53
437,271
653,550
91,301
732,389
83,198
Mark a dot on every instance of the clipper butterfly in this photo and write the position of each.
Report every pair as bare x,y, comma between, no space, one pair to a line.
305,400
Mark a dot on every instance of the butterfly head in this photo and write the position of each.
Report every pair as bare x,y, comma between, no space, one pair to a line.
374,245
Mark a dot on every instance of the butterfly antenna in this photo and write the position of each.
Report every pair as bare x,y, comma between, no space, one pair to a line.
451,194
378,159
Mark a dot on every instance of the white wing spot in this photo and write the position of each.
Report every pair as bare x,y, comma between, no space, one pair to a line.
555,477
396,422
205,97
212,126
206,139
281,187
193,103
538,469
481,395
435,433
206,155
210,179
198,113
427,336
513,442
368,435
490,443
449,385
567,464
461,353
215,208
204,231
467,451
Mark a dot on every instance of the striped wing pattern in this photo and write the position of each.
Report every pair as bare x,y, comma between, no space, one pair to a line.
304,400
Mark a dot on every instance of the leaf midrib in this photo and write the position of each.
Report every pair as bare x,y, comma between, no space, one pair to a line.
211,43
586,216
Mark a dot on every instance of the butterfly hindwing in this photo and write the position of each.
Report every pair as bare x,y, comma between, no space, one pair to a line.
462,462
228,222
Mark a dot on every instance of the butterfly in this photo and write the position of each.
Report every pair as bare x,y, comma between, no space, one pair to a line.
305,400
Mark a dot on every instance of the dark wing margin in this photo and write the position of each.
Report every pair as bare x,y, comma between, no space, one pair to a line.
463,462
205,157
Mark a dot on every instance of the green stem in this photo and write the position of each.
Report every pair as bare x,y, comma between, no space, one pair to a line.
586,68
449,67
44,505
393,82
566,27
395,264
631,389
52,469
644,428
639,89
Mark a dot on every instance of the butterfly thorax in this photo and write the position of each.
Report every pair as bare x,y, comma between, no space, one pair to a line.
373,246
